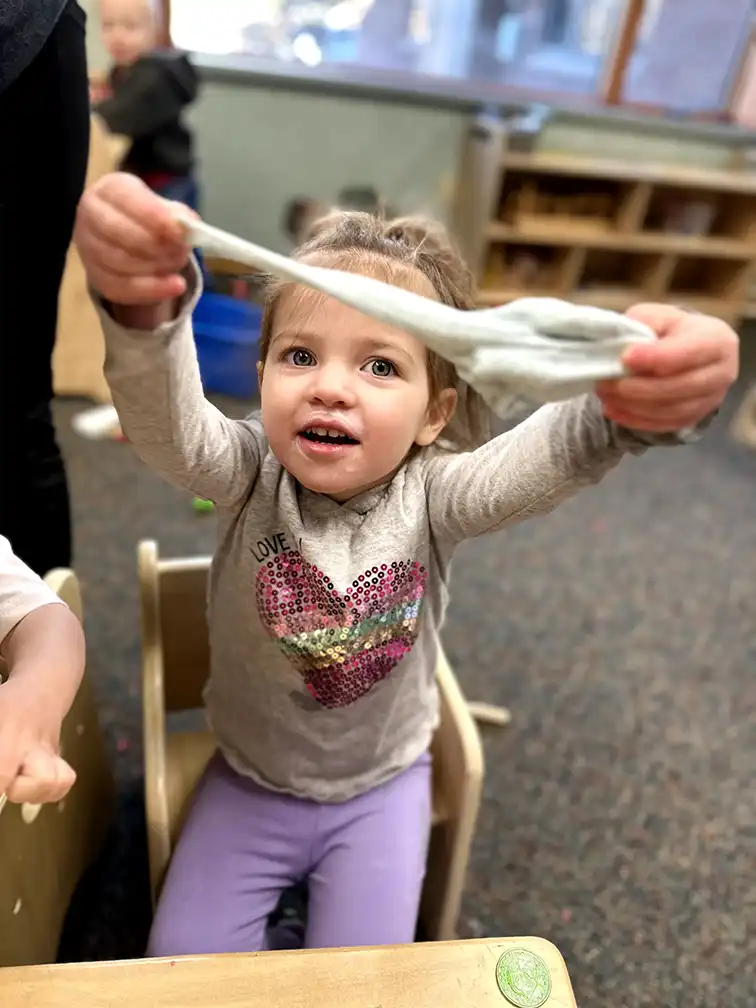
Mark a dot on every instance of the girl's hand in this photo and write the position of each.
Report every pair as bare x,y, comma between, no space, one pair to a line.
680,380
31,769
132,247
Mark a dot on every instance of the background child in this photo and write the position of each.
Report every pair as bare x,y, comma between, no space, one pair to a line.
42,656
339,513
144,97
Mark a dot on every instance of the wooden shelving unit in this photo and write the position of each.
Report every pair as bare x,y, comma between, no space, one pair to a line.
604,232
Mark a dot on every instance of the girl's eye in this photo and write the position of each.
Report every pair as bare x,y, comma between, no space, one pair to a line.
300,358
382,368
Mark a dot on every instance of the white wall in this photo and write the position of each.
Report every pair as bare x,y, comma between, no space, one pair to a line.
258,148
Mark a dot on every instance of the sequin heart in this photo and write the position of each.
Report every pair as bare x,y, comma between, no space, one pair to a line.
341,644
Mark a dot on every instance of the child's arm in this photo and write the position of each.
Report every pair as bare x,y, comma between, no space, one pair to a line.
525,472
135,255
42,648
152,370
675,385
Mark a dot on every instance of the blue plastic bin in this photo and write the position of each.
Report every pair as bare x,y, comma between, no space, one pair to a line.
227,336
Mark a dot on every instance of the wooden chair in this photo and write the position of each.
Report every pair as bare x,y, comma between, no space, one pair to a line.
175,662
45,849
743,425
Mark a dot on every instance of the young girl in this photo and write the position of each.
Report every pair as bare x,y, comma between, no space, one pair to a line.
42,662
339,509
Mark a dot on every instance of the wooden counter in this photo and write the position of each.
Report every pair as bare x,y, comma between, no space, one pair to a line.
459,974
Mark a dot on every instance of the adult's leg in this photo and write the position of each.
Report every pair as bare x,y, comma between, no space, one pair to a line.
366,886
44,126
240,848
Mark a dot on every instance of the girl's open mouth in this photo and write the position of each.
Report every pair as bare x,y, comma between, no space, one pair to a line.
327,436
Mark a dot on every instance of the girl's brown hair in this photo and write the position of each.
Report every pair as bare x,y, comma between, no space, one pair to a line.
391,251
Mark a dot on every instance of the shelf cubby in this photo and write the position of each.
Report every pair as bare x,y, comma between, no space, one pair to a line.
736,217
526,267
712,279
701,213
678,211
548,202
630,271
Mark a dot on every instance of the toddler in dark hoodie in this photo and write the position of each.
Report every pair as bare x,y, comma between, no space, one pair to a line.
146,93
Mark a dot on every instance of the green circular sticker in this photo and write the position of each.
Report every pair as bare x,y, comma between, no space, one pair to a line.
523,978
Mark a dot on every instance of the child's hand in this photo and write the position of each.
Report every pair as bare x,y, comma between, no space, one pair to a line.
98,91
680,380
30,768
132,247
98,86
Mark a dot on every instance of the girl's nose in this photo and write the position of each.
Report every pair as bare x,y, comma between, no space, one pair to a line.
333,385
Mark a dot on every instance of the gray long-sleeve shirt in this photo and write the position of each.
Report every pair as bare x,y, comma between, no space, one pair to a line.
25,26
325,617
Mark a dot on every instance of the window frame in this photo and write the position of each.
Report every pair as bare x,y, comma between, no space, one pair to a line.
607,96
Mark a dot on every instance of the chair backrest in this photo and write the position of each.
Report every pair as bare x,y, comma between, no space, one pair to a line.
174,617
65,584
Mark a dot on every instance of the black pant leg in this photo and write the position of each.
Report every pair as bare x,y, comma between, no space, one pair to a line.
44,143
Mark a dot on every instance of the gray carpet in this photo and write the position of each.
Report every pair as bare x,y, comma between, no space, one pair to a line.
619,817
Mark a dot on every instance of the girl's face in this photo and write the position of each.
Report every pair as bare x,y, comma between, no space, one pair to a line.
128,29
344,397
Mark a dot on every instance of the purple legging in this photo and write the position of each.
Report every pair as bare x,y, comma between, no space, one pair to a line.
242,845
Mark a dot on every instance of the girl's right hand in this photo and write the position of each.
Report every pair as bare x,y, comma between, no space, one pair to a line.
131,245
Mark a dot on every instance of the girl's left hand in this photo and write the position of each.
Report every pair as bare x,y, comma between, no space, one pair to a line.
678,381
